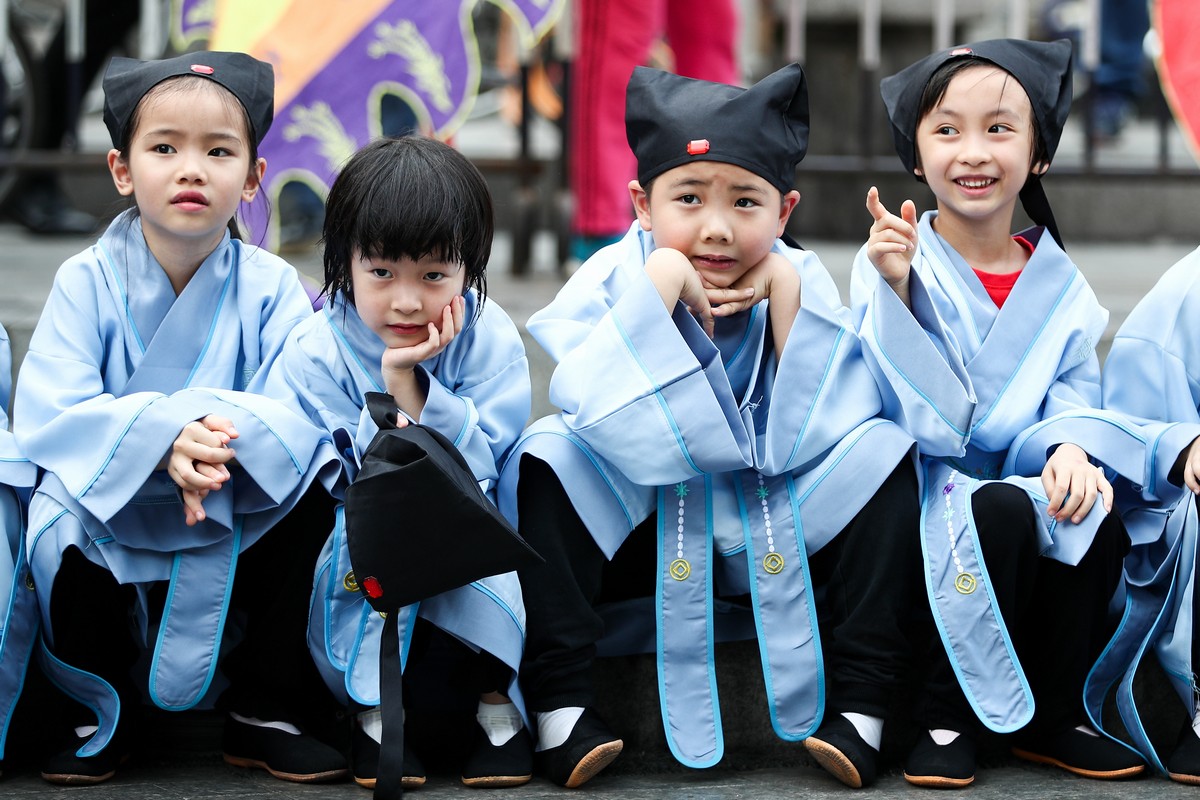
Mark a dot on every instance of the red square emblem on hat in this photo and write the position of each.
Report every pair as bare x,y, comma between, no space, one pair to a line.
697,147
203,69
961,51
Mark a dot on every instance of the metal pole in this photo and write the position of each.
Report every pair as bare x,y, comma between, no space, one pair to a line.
150,30
943,24
1018,19
868,60
796,33
1090,60
75,22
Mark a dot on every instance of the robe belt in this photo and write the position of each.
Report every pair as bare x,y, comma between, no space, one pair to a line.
784,614
193,621
968,619
687,683
92,691
788,638
17,638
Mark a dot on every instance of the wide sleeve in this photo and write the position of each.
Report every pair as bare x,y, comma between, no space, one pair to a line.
646,389
1152,372
479,393
915,359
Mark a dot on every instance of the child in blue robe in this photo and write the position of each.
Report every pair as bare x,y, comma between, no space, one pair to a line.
1150,376
407,235
984,344
718,445
161,508
18,606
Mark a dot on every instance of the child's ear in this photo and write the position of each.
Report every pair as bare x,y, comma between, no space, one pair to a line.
641,204
254,180
1040,167
786,207
119,169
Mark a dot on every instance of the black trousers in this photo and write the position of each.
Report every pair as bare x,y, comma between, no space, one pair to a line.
1056,614
270,672
866,591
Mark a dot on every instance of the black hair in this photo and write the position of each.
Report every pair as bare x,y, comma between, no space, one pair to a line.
408,197
186,83
936,88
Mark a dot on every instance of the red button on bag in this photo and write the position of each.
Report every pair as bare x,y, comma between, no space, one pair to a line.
372,587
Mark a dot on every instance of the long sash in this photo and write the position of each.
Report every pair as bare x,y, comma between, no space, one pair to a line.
687,683
788,639
964,608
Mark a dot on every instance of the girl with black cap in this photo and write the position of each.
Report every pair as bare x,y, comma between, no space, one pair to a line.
980,339
164,483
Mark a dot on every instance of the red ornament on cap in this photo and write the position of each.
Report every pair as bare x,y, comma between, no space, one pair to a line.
203,69
697,147
961,51
372,588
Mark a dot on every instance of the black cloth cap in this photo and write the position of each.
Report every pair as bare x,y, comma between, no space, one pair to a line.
417,523
671,120
1044,72
1042,68
251,81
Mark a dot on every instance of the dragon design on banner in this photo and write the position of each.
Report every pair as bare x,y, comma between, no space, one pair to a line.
335,61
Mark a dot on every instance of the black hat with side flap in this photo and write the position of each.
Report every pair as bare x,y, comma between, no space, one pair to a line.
1042,68
251,81
671,120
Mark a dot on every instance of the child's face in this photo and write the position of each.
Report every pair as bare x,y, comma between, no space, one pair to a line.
976,146
724,218
188,165
398,299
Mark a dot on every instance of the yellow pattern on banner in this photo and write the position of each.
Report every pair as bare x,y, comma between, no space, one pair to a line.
299,37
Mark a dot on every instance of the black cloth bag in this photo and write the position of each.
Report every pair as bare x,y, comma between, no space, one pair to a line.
417,525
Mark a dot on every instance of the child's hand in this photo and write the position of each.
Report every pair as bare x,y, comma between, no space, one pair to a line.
678,282
1072,483
197,462
758,283
1191,468
893,240
399,359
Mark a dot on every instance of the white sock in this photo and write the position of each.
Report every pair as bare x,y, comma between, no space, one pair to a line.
943,736
371,721
1088,730
555,726
84,731
286,727
499,722
1196,723
869,728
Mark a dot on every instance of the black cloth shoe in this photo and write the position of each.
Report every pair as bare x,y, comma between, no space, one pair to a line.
1184,764
493,767
1082,754
364,761
67,769
941,766
287,756
842,753
589,749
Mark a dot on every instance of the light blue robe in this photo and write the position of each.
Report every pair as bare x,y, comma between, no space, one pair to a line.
116,367
1152,374
746,482
18,605
989,393
479,396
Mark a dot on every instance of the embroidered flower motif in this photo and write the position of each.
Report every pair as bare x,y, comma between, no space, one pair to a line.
681,489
